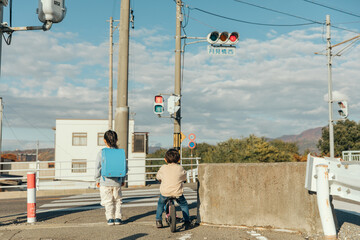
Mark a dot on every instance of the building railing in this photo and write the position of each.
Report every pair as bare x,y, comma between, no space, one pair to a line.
49,174
351,156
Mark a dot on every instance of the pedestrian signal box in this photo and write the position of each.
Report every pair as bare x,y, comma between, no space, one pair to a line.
343,109
158,104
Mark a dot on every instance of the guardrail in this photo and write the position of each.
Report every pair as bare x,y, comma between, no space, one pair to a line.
332,176
351,156
13,174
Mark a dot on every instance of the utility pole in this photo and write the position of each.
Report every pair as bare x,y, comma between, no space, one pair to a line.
177,119
122,108
111,76
1,117
1,30
330,99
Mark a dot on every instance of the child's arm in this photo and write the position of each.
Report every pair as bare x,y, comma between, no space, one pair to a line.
98,168
183,175
159,174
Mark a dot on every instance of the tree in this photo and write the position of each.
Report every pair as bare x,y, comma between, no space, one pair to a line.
246,150
250,149
346,137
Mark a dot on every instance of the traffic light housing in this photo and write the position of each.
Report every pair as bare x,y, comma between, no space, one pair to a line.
158,104
223,38
171,104
343,109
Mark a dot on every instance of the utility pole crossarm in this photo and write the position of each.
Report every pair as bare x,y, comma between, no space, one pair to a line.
338,44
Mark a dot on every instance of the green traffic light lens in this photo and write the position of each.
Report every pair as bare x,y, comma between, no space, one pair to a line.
214,36
158,109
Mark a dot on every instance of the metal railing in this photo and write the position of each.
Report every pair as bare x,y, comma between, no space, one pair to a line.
332,176
54,175
351,156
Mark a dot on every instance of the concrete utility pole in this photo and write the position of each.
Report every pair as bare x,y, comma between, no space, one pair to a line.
330,99
122,109
1,32
1,117
111,76
177,120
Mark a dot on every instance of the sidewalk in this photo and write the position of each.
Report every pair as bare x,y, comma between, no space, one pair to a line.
138,224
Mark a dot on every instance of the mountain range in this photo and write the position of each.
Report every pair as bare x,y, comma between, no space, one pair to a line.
308,139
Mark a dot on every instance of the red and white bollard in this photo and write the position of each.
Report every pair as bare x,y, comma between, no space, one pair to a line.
31,197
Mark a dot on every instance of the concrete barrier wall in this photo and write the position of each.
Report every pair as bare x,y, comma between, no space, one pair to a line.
256,194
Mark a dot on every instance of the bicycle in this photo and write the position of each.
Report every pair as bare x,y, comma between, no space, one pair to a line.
171,213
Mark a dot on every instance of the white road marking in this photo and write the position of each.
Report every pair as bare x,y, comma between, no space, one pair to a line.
256,235
186,236
131,198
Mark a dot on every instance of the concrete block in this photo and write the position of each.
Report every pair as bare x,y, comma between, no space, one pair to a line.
258,194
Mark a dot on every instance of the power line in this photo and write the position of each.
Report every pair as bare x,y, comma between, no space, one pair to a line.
291,15
254,23
12,130
335,9
284,13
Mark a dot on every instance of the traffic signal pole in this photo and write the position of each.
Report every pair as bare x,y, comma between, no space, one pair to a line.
122,108
111,76
330,99
177,119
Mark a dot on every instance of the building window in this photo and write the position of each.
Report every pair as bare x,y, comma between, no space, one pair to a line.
78,166
100,139
140,143
79,139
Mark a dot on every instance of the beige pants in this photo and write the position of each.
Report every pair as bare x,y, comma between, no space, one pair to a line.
111,199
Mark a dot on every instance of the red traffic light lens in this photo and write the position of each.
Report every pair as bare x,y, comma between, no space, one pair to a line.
234,37
159,99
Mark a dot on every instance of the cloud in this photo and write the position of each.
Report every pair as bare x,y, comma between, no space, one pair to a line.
269,88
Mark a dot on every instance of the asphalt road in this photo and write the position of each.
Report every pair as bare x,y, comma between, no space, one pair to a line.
81,217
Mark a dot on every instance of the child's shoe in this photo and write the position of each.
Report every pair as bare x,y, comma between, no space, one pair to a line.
187,225
117,221
110,222
159,224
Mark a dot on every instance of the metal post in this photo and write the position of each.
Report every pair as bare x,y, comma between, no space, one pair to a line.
323,201
122,109
111,76
177,120
330,100
37,166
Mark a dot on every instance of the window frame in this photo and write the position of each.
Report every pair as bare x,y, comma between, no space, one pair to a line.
79,136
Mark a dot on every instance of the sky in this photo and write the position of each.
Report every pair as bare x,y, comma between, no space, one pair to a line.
275,85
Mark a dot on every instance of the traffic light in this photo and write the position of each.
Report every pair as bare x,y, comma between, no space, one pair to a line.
223,38
171,104
158,104
343,109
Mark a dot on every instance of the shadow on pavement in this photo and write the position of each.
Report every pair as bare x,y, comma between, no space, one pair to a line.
135,236
43,216
137,217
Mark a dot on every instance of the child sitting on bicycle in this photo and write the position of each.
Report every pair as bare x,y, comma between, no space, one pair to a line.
172,176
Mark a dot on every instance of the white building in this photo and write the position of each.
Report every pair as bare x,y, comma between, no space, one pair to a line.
78,142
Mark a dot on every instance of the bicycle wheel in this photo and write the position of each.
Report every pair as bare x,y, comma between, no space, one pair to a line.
172,216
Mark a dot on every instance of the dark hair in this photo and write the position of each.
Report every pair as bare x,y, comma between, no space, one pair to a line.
172,156
111,138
